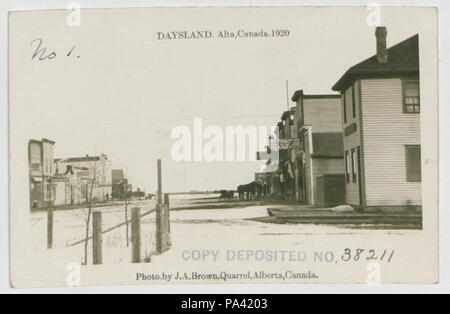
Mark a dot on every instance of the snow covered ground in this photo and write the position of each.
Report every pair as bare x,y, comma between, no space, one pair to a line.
214,229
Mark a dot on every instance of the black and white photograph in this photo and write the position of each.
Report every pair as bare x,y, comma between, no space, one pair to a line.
223,145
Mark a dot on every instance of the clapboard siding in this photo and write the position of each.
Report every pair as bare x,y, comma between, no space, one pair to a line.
386,131
323,114
350,142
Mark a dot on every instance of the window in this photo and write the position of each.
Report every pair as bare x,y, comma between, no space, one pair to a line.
347,167
354,163
349,96
353,102
345,106
300,116
411,95
413,163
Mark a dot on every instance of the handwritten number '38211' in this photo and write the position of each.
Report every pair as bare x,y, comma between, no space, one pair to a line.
369,255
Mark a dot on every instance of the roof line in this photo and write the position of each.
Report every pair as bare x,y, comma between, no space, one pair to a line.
319,96
354,71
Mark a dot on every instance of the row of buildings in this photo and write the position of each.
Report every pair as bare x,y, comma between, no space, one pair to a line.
359,147
70,181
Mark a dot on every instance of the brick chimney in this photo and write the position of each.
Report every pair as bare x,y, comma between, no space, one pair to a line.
381,34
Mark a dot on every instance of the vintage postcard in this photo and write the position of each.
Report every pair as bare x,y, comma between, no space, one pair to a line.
223,145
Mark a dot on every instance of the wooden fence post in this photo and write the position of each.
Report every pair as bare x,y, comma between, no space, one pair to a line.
136,235
159,211
167,202
159,196
50,228
166,199
159,228
166,228
97,238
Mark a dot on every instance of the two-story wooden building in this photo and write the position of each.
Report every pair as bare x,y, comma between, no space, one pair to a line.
381,126
317,126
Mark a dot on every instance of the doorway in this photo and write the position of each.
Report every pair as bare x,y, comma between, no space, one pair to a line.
360,187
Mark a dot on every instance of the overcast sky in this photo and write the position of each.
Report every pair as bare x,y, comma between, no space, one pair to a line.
121,91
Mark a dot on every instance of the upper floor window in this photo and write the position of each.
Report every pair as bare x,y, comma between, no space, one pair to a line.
411,95
349,103
344,104
299,114
353,102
